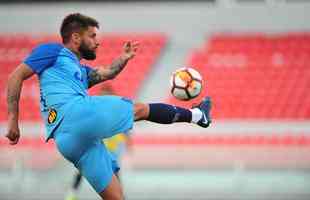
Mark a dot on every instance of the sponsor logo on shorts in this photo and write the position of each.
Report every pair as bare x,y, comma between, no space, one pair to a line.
52,116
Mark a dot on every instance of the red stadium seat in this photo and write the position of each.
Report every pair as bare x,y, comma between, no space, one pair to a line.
35,153
255,76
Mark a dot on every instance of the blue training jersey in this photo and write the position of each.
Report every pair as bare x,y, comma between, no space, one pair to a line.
61,77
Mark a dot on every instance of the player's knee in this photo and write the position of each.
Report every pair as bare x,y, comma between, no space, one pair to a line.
112,194
113,191
141,111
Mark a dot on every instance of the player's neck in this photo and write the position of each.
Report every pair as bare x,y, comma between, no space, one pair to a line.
74,50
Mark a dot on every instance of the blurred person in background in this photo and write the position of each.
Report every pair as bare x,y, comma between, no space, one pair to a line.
77,121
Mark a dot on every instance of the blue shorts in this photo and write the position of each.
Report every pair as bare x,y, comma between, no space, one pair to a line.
79,136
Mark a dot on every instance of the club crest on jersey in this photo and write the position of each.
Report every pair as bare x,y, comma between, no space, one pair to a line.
52,116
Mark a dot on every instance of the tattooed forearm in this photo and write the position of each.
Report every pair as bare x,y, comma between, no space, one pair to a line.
14,88
94,77
99,75
12,105
117,66
13,95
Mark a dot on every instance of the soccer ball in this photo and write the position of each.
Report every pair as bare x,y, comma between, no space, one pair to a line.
186,84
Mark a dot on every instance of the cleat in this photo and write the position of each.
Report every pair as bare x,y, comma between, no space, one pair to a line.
205,107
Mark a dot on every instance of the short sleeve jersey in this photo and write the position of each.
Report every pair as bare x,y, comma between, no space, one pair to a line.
61,78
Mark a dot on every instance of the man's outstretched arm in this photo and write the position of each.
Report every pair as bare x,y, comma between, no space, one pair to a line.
15,82
106,73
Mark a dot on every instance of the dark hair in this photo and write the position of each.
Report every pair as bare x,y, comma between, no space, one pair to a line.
75,22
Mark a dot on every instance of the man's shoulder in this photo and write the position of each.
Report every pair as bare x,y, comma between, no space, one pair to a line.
43,56
47,49
50,45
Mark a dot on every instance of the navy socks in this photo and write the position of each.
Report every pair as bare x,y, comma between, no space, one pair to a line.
167,114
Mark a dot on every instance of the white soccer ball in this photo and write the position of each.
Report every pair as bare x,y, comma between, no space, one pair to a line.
186,83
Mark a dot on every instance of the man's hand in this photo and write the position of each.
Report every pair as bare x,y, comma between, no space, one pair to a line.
130,50
106,73
13,133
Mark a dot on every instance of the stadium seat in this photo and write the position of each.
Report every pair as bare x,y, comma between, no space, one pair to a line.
255,76
31,152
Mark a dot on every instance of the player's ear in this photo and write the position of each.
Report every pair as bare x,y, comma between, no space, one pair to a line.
76,38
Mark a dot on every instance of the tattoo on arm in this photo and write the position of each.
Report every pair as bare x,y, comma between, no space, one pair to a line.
94,77
14,88
116,67
13,95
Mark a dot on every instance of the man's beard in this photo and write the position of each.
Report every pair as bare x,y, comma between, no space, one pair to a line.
86,53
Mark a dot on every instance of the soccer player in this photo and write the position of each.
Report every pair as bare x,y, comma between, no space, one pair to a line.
78,122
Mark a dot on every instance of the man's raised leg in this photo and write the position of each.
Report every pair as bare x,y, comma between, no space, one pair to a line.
168,114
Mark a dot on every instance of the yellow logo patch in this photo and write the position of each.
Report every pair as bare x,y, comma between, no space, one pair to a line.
52,116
